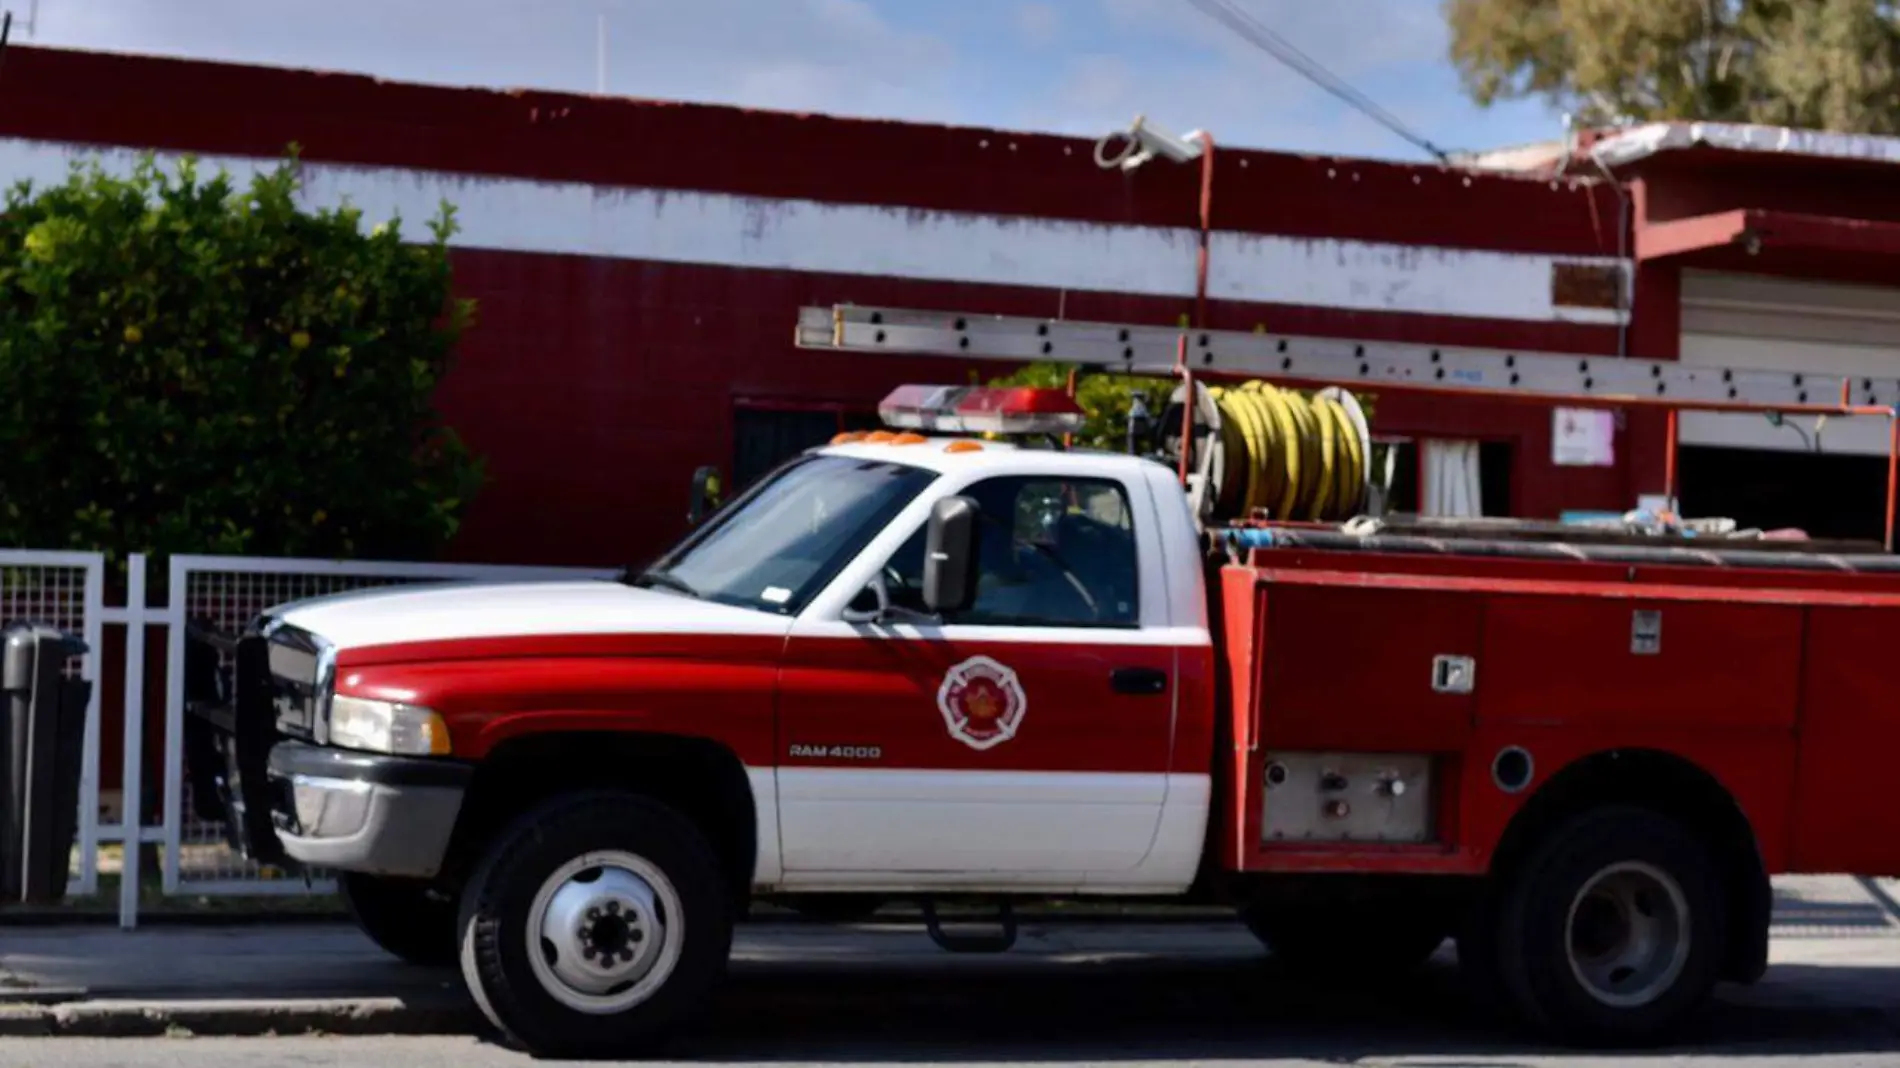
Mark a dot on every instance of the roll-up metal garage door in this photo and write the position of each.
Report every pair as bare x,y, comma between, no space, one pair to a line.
1824,329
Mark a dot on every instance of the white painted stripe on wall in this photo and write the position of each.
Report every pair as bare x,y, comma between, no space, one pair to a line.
1359,276
523,215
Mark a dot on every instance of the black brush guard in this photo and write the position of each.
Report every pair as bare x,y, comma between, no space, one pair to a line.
230,727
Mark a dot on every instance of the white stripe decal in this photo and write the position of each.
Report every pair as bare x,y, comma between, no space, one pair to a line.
941,828
522,215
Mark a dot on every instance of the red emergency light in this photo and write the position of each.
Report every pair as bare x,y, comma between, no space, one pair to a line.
982,410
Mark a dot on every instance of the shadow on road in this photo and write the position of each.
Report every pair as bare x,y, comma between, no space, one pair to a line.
1226,1010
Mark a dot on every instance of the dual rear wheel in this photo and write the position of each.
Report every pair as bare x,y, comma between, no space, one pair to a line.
1613,932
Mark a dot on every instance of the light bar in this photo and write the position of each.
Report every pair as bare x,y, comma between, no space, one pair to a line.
920,407
982,410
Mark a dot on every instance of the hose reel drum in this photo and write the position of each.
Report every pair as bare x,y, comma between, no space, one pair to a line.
1257,451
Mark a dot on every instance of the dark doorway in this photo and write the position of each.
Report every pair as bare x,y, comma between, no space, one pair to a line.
1829,496
763,438
1494,477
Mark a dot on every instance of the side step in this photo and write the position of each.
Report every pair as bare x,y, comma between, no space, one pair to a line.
1000,940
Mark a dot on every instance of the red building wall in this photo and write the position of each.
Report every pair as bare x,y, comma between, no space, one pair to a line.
612,346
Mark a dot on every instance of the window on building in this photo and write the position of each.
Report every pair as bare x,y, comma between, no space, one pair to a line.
1052,553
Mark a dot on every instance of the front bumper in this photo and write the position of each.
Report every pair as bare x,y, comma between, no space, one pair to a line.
364,812
286,800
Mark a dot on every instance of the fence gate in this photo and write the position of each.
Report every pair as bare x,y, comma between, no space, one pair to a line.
225,594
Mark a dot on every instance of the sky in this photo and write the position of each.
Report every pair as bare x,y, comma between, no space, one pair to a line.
1069,66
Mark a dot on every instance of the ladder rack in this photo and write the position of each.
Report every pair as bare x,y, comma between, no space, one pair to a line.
1580,381
1527,377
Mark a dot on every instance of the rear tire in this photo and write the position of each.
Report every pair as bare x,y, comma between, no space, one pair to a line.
402,917
1613,933
597,924
1349,938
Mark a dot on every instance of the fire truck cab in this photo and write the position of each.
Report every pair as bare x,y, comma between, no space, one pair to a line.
951,668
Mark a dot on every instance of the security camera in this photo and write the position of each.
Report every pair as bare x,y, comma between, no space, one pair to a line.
1144,141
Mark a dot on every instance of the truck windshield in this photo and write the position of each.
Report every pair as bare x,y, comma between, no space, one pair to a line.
778,544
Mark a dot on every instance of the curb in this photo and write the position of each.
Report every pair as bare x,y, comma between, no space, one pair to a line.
238,1019
760,1001
54,918
763,917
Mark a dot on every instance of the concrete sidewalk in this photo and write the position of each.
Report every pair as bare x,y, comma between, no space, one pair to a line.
1837,948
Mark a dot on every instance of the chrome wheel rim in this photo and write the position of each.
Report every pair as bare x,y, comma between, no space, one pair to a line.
604,932
1627,934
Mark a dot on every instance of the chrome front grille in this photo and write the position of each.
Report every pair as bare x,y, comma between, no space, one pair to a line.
301,670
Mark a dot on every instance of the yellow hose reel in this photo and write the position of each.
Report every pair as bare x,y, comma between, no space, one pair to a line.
1258,451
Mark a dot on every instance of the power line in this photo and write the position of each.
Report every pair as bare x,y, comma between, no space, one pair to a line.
1264,38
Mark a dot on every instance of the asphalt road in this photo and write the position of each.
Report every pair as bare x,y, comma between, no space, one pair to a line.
1069,995
464,1053
1224,1012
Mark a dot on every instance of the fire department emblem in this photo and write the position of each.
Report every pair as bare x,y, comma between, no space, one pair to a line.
982,702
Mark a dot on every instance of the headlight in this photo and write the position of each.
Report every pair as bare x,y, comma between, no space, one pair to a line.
386,727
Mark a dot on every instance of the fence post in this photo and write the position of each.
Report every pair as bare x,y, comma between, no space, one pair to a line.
174,815
132,811
93,604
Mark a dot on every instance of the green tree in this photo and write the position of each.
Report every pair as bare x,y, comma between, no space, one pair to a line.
191,365
1823,64
1106,398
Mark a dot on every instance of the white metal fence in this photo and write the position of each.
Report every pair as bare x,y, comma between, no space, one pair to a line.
67,590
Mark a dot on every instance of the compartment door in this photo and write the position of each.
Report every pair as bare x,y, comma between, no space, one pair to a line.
1362,690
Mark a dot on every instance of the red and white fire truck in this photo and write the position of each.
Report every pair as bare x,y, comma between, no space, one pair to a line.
943,667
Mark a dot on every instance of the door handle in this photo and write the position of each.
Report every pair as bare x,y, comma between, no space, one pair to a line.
1140,681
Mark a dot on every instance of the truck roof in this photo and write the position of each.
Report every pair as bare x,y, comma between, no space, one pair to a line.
976,454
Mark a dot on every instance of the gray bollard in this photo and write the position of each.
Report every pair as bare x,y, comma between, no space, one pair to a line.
42,738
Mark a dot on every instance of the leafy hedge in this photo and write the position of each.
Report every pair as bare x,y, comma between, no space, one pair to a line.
191,365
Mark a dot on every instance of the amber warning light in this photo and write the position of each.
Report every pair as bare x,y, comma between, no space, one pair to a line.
981,410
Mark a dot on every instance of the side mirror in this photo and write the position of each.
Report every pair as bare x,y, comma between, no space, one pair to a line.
705,496
871,605
950,555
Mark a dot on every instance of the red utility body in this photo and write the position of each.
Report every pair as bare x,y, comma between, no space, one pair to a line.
1773,682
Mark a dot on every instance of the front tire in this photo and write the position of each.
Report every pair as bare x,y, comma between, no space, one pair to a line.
403,917
596,925
1613,933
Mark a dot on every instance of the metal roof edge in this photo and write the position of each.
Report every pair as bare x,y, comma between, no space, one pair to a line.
1636,143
